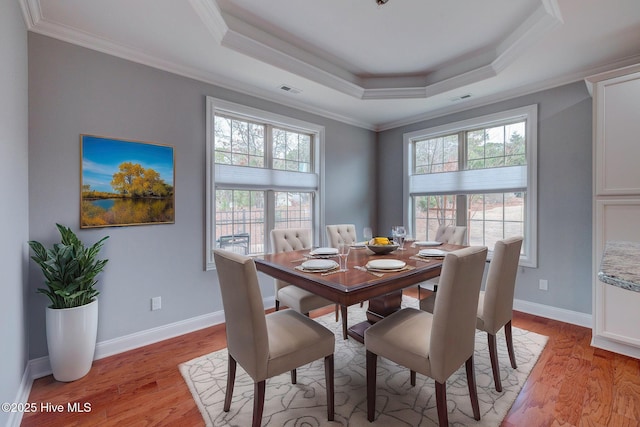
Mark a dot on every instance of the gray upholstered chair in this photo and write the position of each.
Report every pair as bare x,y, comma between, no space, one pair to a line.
293,239
337,234
495,306
437,344
266,346
452,234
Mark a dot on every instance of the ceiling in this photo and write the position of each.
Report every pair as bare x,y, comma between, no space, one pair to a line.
374,66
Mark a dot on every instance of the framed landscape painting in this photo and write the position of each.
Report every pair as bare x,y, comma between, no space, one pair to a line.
125,182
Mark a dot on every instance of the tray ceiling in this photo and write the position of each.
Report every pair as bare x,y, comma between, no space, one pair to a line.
375,66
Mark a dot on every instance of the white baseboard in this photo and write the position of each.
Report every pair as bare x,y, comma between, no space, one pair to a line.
40,367
555,313
15,418
616,347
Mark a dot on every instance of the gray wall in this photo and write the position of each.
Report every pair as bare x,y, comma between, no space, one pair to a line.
564,192
14,227
73,90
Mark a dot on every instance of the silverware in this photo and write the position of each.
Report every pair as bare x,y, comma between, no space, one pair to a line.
331,272
417,258
357,267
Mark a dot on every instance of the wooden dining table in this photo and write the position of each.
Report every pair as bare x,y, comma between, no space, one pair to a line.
383,291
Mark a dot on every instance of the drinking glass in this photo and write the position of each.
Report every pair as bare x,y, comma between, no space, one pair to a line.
367,234
343,253
400,233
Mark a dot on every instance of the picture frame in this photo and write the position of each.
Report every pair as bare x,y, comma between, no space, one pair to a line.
125,182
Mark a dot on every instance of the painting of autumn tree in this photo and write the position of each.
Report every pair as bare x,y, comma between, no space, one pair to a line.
125,183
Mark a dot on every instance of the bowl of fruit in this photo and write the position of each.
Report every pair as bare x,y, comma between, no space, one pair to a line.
381,245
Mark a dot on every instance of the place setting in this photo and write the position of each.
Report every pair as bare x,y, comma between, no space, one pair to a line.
429,254
426,244
323,266
323,252
378,267
318,253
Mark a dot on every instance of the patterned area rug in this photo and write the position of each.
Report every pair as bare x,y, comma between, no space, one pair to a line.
398,404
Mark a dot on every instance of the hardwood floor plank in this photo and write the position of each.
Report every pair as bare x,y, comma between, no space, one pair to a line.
627,391
572,385
598,404
572,391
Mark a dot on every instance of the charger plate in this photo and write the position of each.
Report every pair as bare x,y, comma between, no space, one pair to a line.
386,264
431,252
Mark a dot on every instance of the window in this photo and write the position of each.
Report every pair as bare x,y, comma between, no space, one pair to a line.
263,172
479,173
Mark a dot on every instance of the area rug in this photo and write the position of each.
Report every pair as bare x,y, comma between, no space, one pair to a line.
397,404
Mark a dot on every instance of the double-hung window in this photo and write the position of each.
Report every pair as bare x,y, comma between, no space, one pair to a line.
478,173
263,172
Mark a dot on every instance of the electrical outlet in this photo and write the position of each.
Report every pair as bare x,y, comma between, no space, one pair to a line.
544,285
156,303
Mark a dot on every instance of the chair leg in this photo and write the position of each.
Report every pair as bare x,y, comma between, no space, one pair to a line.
328,378
419,287
473,391
372,361
343,309
258,403
441,404
412,378
509,337
231,379
493,355
337,311
294,376
277,305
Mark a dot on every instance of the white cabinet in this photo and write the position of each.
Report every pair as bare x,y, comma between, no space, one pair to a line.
616,202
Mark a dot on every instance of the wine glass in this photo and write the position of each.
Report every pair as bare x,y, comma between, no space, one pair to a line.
343,253
400,233
367,234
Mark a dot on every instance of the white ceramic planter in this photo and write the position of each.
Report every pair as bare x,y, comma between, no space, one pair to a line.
71,339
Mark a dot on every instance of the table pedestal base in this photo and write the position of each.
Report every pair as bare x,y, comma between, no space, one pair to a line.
378,309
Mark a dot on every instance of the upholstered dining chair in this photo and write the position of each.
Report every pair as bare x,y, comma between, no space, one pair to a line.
437,344
341,233
495,305
452,234
293,239
337,234
266,345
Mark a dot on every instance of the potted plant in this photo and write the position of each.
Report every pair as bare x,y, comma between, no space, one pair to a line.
70,271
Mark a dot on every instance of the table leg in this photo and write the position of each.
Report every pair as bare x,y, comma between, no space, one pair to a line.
378,309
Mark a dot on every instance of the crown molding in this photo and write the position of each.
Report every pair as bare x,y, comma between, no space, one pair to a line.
629,63
210,14
272,50
37,24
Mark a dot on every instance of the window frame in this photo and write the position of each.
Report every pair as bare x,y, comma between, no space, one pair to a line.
245,177
469,179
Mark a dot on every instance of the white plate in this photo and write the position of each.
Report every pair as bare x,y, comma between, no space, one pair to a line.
431,252
428,243
386,264
319,264
324,251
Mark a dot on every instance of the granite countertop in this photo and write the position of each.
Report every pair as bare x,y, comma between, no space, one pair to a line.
621,265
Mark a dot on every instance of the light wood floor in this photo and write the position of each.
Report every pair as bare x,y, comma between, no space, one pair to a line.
572,384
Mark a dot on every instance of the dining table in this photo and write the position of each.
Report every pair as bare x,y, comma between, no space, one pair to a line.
382,289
